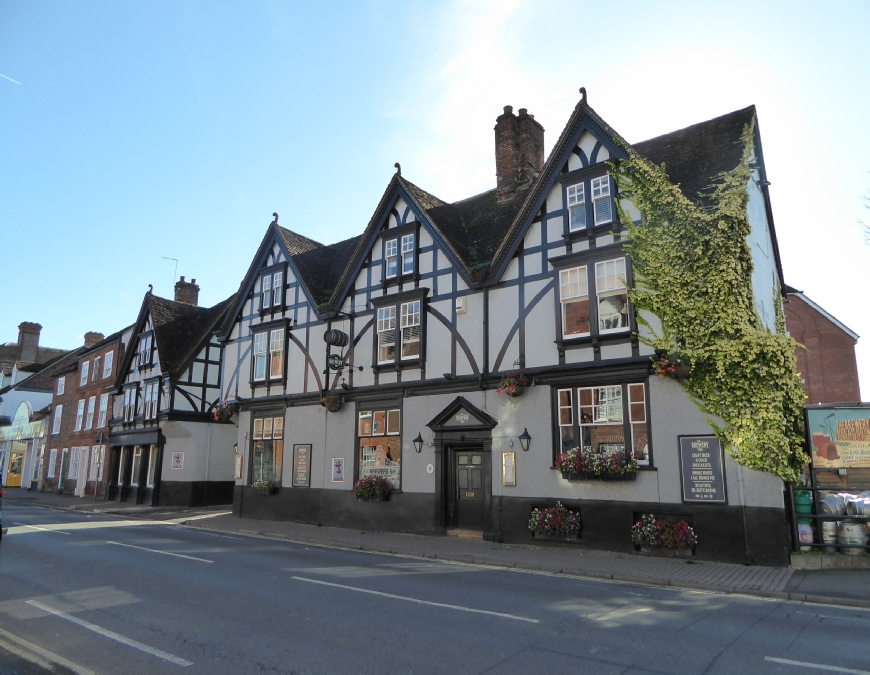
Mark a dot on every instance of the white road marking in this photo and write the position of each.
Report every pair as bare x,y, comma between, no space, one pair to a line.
620,613
53,658
154,550
166,656
417,601
830,616
817,666
41,529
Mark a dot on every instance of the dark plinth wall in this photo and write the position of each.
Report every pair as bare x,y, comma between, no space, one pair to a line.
606,524
195,493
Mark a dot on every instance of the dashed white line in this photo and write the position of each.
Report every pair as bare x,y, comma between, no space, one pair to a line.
154,550
166,656
31,650
817,666
418,601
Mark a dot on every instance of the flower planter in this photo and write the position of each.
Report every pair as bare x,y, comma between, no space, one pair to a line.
668,552
264,491
373,498
585,475
572,538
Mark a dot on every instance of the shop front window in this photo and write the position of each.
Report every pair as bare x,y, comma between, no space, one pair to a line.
380,445
268,449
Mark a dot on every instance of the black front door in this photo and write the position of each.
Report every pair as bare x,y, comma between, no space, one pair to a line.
469,489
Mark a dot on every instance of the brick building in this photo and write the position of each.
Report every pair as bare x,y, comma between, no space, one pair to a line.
15,356
74,456
828,368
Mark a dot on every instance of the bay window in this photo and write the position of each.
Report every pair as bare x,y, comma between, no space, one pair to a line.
268,449
380,444
609,418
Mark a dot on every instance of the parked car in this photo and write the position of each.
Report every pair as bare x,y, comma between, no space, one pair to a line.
1,513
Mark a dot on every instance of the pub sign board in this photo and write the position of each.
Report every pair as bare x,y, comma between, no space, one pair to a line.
302,465
702,471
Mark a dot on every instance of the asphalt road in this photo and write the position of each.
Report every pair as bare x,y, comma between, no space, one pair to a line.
103,594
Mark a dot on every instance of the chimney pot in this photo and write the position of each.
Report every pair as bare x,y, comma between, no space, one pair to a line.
182,278
187,292
92,338
508,109
523,112
28,341
519,151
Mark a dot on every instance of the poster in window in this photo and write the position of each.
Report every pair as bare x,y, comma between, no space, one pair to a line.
302,465
337,469
177,460
382,457
379,425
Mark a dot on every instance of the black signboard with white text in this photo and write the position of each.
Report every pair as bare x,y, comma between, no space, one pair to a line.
702,472
301,465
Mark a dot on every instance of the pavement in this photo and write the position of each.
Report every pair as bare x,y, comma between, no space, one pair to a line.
845,586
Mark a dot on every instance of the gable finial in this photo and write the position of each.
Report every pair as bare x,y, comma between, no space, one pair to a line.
150,289
583,95
398,168
275,215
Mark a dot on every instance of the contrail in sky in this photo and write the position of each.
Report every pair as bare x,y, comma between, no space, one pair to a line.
10,79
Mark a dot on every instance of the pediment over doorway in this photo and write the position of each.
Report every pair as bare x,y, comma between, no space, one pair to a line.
462,414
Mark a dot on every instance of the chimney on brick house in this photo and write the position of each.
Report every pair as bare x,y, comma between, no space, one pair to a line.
92,338
28,341
519,151
187,292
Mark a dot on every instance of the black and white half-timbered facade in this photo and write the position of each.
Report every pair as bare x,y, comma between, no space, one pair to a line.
383,354
167,447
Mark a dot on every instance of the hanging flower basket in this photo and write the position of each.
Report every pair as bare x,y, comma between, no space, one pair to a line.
673,364
332,402
225,411
372,489
512,384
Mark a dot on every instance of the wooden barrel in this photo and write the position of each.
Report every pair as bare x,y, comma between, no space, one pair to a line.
852,537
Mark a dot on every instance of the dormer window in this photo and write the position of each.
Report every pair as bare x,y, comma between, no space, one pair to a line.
391,258
272,288
577,207
143,354
602,203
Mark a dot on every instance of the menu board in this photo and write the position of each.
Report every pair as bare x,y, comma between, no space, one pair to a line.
701,470
839,437
301,465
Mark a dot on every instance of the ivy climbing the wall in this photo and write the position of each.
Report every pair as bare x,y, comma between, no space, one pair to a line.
693,270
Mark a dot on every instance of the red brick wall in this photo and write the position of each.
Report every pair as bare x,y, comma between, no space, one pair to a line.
828,367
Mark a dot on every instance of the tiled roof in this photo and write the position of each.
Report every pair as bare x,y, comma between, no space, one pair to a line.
319,266
43,373
694,156
180,329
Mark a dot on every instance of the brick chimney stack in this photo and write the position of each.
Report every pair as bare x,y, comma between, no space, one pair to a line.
92,338
28,341
187,292
519,151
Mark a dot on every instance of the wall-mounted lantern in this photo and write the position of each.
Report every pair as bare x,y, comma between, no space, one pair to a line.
525,439
418,442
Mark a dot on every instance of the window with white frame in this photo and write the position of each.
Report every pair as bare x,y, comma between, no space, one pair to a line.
612,296
95,470
143,354
61,385
73,472
80,414
104,411
272,289
152,467
386,334
574,296
408,254
411,330
268,449
89,420
96,373
601,202
107,365
129,404
149,400
58,413
269,355
576,207
391,258
52,460
83,379
595,419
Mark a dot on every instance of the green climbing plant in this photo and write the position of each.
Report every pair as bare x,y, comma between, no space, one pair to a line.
693,271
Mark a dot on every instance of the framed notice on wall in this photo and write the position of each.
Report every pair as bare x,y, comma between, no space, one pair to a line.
177,460
337,469
302,465
702,470
509,468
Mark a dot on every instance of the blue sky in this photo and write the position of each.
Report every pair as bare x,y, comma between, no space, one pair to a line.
143,130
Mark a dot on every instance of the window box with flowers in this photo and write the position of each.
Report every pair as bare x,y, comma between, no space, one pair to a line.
655,536
332,402
225,411
372,489
555,522
263,487
603,464
512,384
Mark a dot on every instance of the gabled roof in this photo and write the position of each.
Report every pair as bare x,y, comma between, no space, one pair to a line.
788,290
44,372
180,331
